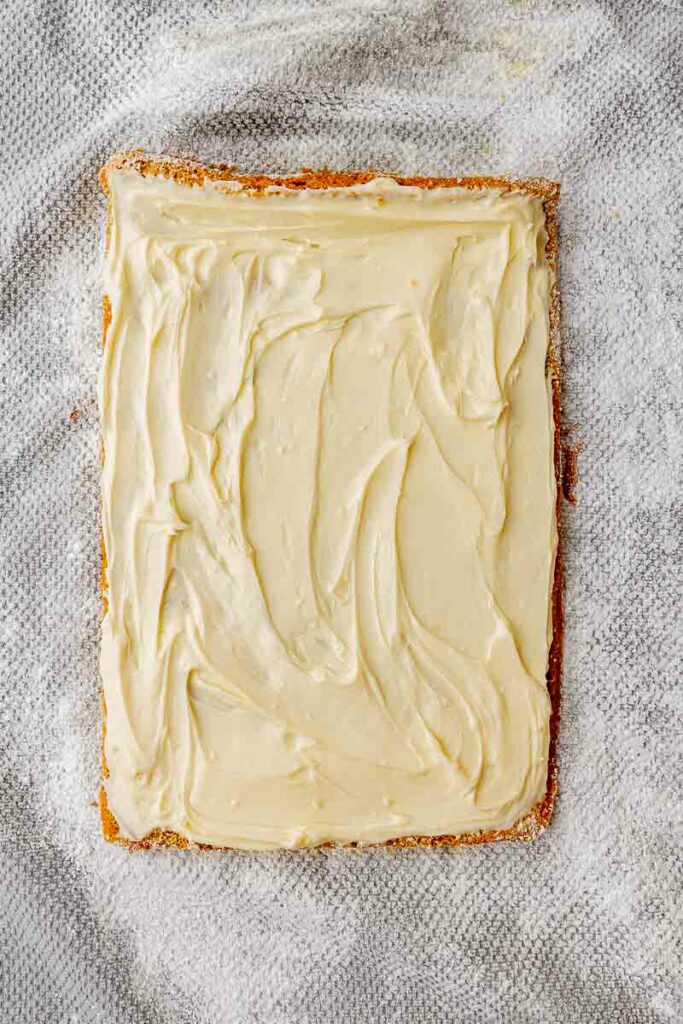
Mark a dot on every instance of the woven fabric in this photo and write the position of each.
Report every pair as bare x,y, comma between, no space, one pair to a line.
585,924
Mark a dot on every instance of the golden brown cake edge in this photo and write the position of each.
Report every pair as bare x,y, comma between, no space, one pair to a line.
189,172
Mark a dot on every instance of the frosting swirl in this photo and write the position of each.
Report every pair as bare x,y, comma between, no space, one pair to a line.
328,511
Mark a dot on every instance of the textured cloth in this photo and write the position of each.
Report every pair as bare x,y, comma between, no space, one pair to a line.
584,925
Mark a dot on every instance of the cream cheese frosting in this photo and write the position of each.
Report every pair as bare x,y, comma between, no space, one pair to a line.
328,511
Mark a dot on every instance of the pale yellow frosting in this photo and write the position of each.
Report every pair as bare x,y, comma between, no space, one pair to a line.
328,505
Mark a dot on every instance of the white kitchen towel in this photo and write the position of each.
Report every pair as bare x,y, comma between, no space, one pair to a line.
582,927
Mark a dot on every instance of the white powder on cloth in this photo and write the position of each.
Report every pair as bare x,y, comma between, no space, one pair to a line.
582,926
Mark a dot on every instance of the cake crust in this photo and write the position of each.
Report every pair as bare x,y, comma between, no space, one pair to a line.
190,173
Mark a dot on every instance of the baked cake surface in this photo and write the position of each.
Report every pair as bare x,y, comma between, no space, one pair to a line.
329,509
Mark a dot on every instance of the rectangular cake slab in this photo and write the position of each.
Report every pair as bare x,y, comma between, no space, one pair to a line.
329,509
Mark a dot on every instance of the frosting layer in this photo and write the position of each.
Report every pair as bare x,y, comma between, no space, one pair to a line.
328,511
